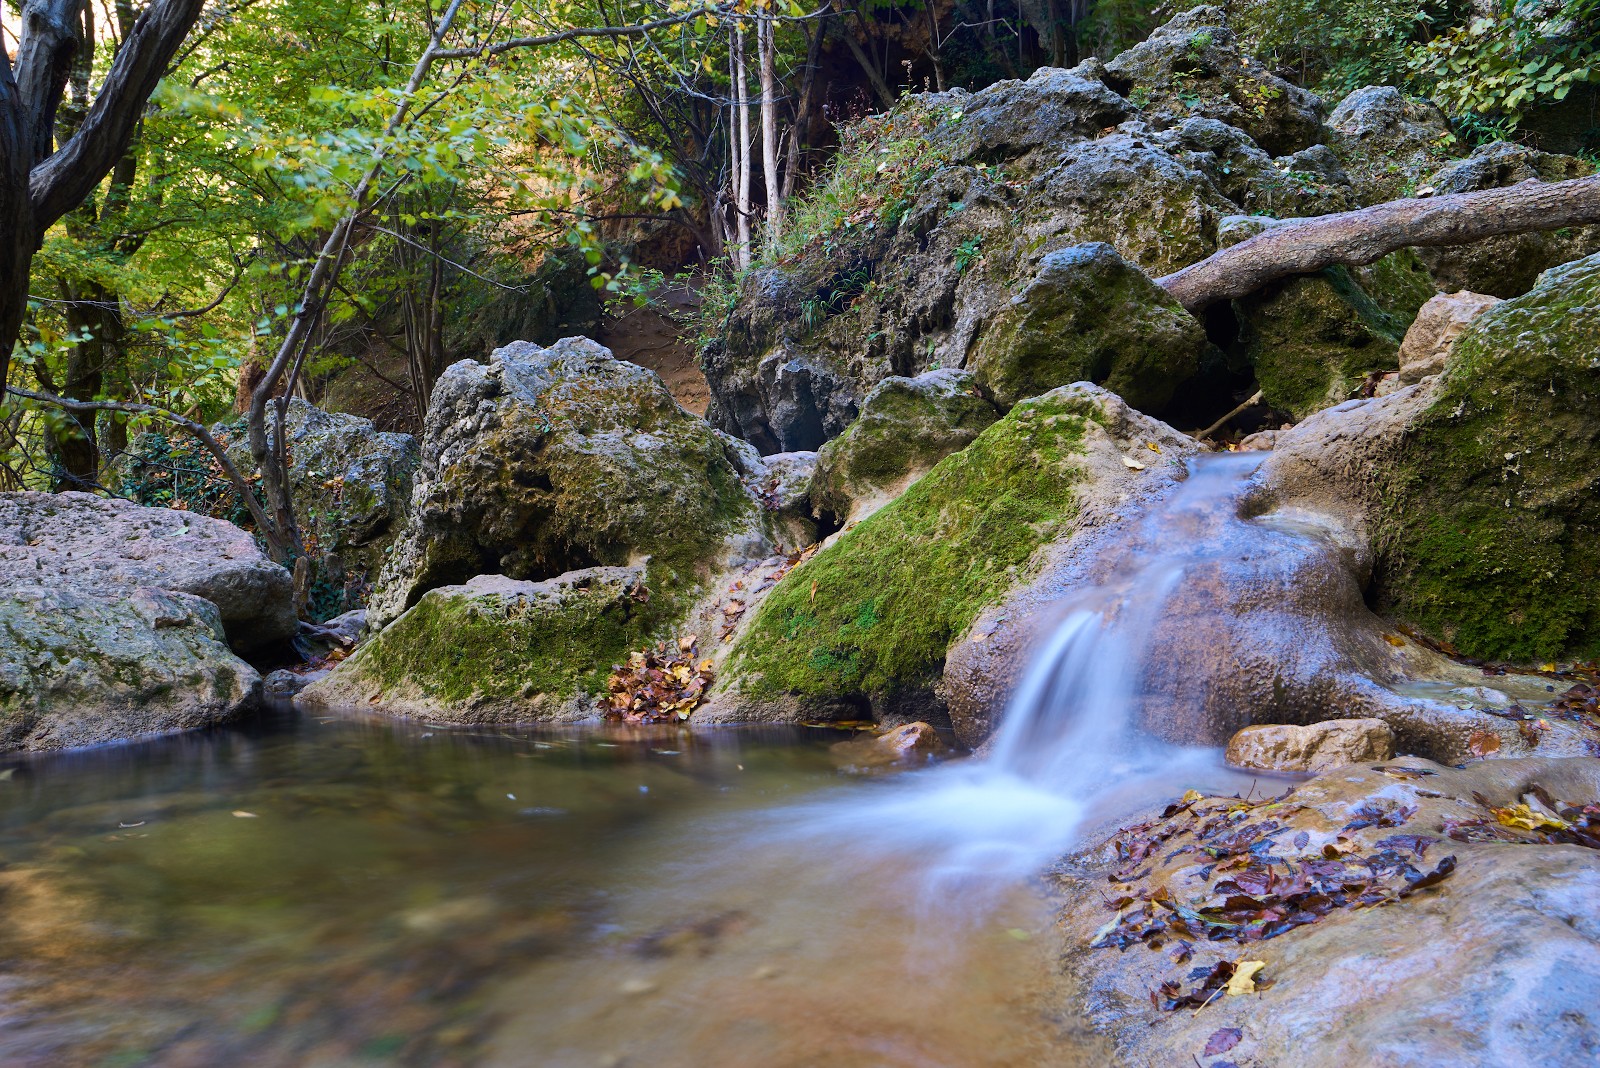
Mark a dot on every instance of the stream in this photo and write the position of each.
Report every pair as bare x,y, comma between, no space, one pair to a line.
326,890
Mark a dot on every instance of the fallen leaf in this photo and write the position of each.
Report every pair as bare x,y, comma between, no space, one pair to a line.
1243,981
1131,464
242,814
1221,1041
1481,743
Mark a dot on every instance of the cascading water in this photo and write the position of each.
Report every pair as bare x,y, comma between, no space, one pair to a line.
1069,749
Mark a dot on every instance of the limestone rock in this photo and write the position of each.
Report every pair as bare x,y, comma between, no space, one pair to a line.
906,426
1427,345
550,460
350,483
1193,66
784,482
86,665
496,650
1320,746
1051,108
1492,965
907,744
1489,520
88,544
1389,143
1088,315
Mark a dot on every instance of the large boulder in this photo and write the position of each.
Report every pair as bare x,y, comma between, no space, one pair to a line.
1315,341
83,665
1489,523
906,426
550,460
1406,914
1426,348
1089,316
864,624
498,650
350,484
76,541
1389,143
1331,743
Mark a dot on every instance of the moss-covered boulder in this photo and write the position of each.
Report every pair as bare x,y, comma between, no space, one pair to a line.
1489,529
1089,316
1313,341
498,650
906,426
864,624
550,460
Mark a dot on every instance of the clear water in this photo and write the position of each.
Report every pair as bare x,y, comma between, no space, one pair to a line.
334,891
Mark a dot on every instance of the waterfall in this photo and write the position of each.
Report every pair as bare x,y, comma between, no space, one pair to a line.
1068,750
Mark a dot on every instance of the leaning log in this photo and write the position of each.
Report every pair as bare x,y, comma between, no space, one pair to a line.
1357,238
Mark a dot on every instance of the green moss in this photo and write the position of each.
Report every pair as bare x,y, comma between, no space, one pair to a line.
874,613
456,649
1313,340
1491,536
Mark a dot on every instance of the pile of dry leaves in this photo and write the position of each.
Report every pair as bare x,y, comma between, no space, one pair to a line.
659,685
1259,883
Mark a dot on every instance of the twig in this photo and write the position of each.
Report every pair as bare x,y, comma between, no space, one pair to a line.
1255,399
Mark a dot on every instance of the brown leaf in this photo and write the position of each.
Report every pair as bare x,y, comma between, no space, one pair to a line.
1481,743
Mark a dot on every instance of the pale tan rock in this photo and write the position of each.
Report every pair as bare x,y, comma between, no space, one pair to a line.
906,744
1428,343
1315,747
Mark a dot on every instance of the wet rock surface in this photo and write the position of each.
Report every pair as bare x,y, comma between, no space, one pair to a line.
1315,747
1403,913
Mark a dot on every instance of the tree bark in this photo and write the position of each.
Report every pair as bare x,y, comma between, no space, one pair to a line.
741,134
1357,238
766,45
36,190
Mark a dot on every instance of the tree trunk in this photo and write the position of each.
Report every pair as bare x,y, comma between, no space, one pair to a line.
1357,238
802,115
767,46
35,191
868,67
741,107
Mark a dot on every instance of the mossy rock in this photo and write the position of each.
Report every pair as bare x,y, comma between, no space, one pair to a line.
1314,340
907,425
499,650
1490,530
871,615
1089,316
549,460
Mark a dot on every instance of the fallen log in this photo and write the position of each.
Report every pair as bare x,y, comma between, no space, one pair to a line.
1357,238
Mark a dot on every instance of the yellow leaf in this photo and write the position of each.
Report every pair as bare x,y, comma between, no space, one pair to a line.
1192,796
1152,446
1243,981
1525,818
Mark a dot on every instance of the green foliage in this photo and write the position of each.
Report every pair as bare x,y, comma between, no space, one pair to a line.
1499,68
1489,71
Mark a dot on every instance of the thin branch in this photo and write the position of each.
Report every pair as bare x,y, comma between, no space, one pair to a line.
198,430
